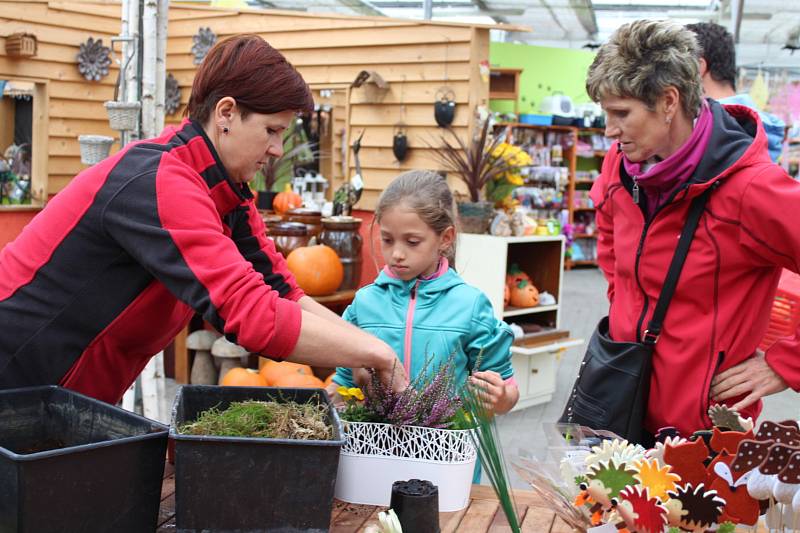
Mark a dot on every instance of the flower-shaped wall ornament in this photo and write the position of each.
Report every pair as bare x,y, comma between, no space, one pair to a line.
172,96
94,59
203,42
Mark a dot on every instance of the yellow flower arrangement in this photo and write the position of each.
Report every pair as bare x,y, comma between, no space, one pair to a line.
501,187
353,393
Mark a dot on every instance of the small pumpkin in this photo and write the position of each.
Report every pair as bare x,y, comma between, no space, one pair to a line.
524,294
243,377
299,381
506,294
271,370
318,269
515,275
286,200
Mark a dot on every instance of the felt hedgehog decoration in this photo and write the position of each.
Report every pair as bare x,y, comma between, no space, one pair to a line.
724,417
656,479
694,508
639,511
605,481
619,451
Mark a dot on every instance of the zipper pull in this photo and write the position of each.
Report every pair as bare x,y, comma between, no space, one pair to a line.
635,191
414,290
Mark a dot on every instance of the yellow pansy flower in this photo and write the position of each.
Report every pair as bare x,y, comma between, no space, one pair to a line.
344,392
356,393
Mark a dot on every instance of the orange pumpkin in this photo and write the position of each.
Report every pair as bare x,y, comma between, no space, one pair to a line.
524,294
243,377
317,269
299,381
271,370
286,200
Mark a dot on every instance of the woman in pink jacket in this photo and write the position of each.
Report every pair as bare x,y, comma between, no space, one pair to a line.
671,146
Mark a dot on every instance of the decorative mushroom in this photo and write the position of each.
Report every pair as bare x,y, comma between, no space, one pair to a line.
229,355
203,370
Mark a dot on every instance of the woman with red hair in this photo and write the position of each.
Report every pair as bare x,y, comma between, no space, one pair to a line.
119,261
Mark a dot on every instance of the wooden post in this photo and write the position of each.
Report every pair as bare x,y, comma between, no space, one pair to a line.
181,356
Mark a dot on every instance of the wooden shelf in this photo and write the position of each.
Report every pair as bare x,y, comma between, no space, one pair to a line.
516,311
504,85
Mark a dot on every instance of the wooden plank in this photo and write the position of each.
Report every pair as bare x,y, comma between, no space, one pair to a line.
352,518
559,526
500,522
221,23
418,136
322,33
383,158
105,9
81,90
373,518
478,85
57,53
416,92
449,522
521,497
413,115
72,127
38,13
65,164
182,370
320,75
479,516
53,34
60,108
537,520
46,70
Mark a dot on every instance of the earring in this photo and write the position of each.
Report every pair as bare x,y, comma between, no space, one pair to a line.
224,130
669,120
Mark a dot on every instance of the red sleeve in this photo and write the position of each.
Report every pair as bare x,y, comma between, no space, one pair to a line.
768,229
167,221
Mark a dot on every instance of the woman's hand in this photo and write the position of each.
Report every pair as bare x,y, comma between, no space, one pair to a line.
499,397
335,397
753,377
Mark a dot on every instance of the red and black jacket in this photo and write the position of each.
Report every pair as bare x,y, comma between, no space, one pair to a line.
116,264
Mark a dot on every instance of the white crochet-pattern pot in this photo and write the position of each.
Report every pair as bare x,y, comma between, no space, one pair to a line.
376,455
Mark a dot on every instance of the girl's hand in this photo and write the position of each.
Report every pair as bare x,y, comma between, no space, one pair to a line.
335,397
752,377
499,396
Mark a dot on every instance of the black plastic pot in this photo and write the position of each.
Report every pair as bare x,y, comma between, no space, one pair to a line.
247,483
416,503
72,463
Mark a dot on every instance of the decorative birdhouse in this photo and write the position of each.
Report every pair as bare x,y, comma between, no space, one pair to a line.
21,45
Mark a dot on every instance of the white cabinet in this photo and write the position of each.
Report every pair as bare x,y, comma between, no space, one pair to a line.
482,260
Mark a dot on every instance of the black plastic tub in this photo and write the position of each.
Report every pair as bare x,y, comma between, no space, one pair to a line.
72,463
248,484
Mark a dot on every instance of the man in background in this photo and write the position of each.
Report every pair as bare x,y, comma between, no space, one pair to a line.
718,70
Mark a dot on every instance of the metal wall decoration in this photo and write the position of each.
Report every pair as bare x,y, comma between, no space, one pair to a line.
94,59
203,42
172,96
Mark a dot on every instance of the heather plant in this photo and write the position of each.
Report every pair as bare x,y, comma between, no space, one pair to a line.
431,400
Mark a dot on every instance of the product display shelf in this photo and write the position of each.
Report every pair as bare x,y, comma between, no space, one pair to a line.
482,260
582,217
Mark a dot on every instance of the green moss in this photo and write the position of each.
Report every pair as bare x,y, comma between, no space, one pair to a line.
273,420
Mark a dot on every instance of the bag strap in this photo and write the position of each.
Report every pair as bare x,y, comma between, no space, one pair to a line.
653,330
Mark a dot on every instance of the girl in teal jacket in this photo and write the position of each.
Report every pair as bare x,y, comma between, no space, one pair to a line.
420,306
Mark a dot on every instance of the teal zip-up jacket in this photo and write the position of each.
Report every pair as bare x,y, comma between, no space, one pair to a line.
432,318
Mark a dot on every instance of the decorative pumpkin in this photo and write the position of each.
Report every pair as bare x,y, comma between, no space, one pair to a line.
299,381
271,370
317,268
243,377
506,294
515,275
286,200
524,294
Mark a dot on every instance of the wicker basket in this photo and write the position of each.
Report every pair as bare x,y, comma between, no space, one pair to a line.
94,148
376,455
123,116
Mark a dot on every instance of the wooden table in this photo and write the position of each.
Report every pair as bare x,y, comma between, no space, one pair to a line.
482,515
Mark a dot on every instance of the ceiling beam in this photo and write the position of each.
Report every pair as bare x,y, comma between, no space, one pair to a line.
362,7
481,4
585,14
737,8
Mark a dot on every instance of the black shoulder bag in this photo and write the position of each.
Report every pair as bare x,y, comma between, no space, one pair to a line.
613,383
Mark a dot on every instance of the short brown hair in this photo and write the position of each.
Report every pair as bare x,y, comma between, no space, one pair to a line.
641,59
256,75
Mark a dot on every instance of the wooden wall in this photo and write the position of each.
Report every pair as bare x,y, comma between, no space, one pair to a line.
75,105
417,58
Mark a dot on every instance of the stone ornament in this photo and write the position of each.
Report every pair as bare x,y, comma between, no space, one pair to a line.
172,96
203,42
94,59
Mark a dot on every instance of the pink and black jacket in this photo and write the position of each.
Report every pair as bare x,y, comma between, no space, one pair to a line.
117,263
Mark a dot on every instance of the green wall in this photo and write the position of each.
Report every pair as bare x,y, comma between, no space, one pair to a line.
545,71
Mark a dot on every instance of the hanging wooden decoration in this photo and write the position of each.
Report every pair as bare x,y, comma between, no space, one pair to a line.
172,96
94,59
21,45
203,42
